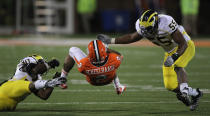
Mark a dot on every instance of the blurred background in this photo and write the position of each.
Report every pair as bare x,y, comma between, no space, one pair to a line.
70,17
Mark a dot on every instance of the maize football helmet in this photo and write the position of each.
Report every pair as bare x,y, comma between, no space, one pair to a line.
38,58
97,52
148,23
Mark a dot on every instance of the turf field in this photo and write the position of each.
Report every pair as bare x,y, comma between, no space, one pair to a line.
140,71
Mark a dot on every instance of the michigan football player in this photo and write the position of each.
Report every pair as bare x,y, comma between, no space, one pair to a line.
14,91
163,31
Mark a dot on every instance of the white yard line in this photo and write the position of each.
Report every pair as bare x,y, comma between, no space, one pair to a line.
155,66
139,74
105,90
148,74
129,89
104,103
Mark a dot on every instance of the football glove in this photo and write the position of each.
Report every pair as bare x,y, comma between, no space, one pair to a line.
104,38
53,63
171,59
56,82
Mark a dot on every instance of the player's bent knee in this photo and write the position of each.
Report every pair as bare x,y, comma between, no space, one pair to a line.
170,83
170,78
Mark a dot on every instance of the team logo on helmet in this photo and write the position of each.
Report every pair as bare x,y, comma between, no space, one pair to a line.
38,58
97,52
148,22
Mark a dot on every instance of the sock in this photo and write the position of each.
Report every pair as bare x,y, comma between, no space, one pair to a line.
63,73
116,82
192,92
189,90
184,88
39,77
40,84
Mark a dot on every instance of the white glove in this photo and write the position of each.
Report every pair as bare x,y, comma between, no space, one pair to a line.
39,84
56,82
169,61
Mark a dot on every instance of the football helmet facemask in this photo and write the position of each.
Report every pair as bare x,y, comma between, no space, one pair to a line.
97,52
148,23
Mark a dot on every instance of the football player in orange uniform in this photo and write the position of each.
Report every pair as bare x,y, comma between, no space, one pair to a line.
99,66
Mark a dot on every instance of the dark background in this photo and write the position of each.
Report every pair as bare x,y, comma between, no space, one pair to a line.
105,8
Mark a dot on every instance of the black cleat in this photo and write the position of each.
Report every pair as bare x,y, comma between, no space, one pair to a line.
195,100
184,98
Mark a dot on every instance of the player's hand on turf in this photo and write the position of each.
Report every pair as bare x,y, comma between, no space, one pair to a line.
104,38
53,63
169,61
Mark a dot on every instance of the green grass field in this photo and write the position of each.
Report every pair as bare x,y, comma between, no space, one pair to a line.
140,71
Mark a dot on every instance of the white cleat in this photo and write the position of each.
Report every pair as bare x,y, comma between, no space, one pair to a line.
195,100
120,89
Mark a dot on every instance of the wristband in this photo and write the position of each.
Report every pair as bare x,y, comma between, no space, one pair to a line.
175,56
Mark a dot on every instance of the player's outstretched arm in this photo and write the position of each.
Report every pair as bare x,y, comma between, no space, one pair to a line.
125,39
128,38
44,88
42,93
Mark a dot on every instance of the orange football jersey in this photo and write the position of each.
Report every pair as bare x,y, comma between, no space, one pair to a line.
100,75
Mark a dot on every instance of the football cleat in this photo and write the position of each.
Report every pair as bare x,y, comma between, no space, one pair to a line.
184,98
195,100
63,86
120,89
